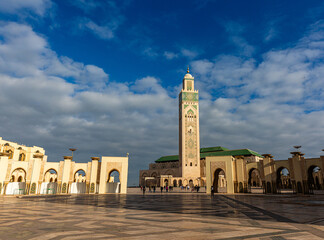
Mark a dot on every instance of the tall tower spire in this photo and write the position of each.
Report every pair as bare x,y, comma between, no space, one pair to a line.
189,143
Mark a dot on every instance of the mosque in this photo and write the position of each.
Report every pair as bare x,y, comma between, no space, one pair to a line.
25,170
231,171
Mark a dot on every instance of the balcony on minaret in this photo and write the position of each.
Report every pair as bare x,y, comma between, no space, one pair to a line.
188,82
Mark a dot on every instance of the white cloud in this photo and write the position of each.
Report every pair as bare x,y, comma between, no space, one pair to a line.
170,55
41,104
270,105
103,32
190,53
13,6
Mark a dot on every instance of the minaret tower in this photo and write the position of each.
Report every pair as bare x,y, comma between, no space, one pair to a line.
189,144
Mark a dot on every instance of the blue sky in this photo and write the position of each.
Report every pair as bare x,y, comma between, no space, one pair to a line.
103,76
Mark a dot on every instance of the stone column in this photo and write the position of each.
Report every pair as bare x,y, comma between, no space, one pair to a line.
262,175
241,174
66,174
269,174
94,175
300,172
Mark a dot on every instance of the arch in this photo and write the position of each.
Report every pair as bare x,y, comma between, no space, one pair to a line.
283,178
49,184
50,173
180,183
174,183
254,178
79,175
17,183
313,173
219,174
16,173
114,176
191,184
114,182
22,157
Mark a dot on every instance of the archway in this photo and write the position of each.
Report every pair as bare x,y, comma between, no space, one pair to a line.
79,182
17,184
314,178
255,181
180,183
254,178
283,181
191,183
174,183
49,184
113,182
50,174
219,183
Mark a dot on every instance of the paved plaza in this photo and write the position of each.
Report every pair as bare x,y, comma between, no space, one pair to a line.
166,216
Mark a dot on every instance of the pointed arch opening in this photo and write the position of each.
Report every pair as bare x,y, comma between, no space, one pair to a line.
113,182
49,184
219,183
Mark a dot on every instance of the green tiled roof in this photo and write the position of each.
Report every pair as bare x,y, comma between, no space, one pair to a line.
237,152
212,151
171,158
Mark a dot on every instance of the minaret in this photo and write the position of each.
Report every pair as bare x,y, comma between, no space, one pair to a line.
189,144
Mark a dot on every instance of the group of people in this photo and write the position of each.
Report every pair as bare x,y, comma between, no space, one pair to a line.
187,188
169,188
153,189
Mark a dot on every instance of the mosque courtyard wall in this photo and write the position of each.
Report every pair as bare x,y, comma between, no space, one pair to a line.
25,170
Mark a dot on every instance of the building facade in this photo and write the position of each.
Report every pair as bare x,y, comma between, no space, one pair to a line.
225,170
25,170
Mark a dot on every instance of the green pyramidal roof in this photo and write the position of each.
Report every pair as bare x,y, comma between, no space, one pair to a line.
212,151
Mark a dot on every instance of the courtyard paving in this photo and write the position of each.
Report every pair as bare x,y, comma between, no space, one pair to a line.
163,216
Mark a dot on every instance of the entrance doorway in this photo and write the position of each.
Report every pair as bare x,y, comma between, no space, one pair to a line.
283,180
17,184
220,184
314,178
113,182
49,185
79,183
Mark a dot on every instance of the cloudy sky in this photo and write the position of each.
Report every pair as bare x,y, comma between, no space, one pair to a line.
104,76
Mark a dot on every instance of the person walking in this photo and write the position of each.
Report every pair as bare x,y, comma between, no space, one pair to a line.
161,189
143,190
212,191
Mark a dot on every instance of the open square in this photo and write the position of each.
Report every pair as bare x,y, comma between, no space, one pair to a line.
162,216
